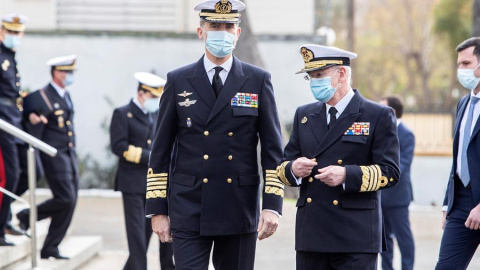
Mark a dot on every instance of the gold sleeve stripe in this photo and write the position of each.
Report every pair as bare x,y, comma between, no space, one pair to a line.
372,178
151,175
273,179
271,175
281,173
162,187
153,194
271,172
274,191
133,154
157,178
275,185
156,183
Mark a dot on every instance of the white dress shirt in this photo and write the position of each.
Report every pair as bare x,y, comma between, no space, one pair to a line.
210,68
135,100
61,91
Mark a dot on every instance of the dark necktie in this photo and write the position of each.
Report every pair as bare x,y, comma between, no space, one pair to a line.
217,83
333,116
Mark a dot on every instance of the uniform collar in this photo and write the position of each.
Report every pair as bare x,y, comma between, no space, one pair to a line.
61,91
136,102
6,50
209,65
343,103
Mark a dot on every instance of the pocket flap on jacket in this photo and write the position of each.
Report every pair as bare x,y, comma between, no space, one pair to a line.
249,180
358,203
244,111
183,179
354,139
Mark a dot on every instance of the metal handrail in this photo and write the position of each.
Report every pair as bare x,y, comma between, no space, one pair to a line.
22,135
32,178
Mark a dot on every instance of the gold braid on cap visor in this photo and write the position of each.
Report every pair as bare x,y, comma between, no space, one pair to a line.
322,63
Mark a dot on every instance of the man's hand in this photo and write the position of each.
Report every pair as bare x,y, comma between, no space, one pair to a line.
161,227
332,175
302,167
473,220
268,224
444,219
35,119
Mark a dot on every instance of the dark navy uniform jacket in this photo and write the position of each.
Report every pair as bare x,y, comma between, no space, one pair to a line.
59,133
473,155
214,186
334,219
131,129
9,87
402,194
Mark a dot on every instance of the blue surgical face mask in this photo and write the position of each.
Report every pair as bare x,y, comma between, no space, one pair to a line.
322,89
467,78
151,104
69,79
12,41
220,43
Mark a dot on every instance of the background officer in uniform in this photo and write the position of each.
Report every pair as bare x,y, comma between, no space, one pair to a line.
395,201
61,171
342,150
11,34
131,134
461,206
212,114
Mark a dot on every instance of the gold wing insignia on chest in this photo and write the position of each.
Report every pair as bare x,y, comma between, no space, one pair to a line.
185,94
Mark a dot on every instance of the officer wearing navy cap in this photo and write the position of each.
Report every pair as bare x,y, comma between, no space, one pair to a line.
55,127
203,184
11,34
131,134
343,149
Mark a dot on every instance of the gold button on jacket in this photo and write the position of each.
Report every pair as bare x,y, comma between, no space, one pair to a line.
309,200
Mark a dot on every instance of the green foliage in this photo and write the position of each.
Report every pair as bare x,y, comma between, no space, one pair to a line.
453,19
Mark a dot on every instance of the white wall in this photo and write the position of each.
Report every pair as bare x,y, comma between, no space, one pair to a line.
41,13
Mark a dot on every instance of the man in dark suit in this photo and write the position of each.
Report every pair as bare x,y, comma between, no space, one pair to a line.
212,115
11,34
395,201
131,133
56,129
342,150
461,210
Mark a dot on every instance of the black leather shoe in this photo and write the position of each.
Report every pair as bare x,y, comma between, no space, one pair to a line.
54,256
5,243
10,229
22,216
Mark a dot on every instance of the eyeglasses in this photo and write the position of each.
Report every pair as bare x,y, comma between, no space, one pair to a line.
318,74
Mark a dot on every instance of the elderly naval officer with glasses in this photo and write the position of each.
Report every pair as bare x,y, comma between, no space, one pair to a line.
343,149
212,114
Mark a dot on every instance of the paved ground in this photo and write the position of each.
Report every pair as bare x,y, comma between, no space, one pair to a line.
104,216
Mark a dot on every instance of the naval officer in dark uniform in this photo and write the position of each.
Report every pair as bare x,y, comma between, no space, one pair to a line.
131,134
11,34
342,150
61,171
203,181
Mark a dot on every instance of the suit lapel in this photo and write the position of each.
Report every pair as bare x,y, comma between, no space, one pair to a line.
318,122
56,98
233,84
460,113
201,84
351,113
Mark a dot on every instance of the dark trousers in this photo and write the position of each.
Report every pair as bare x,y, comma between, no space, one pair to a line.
230,252
336,261
397,225
60,208
459,243
139,232
9,175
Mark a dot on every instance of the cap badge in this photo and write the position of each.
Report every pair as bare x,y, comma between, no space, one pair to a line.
306,54
223,6
16,20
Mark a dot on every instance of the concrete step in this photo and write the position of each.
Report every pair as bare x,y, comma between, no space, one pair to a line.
9,255
80,249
